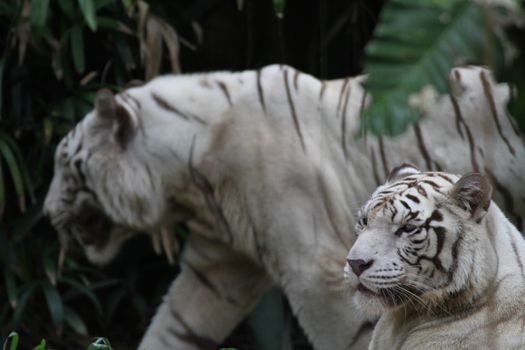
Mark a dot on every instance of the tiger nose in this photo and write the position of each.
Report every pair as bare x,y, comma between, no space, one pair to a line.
359,265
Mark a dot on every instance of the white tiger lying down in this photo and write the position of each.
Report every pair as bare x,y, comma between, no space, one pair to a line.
266,169
441,263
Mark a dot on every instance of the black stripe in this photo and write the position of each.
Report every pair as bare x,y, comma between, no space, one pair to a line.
206,189
203,279
292,109
224,89
507,199
488,94
422,148
190,336
296,80
341,93
472,144
323,88
170,108
374,167
383,157
412,198
343,124
260,90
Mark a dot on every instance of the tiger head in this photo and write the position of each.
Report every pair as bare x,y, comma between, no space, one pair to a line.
418,237
104,189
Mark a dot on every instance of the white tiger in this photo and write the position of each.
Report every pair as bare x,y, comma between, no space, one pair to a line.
266,169
441,263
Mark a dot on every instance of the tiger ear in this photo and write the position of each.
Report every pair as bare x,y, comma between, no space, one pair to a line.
472,193
109,110
401,171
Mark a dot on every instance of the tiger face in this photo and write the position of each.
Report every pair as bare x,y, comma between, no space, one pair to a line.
101,193
410,236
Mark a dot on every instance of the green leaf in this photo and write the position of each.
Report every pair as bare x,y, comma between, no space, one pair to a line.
88,10
29,289
50,268
2,66
39,10
2,191
13,338
77,48
23,168
100,344
102,3
278,7
67,6
11,288
415,44
74,321
41,346
16,175
54,304
128,4
80,288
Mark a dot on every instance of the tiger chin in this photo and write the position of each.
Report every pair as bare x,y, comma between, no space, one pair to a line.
441,264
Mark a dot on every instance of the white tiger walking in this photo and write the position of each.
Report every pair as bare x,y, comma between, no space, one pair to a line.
441,264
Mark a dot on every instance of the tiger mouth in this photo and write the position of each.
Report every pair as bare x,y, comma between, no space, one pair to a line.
393,296
94,227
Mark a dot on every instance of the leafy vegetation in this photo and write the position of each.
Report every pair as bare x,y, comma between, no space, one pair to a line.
48,79
13,339
415,45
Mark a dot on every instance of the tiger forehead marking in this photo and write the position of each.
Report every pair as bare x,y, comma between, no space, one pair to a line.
406,195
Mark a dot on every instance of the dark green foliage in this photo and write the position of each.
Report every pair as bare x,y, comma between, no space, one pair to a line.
48,79
12,341
415,44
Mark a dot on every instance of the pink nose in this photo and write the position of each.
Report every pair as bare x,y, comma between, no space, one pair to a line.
359,265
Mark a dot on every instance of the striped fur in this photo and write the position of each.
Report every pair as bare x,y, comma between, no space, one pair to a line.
442,265
266,169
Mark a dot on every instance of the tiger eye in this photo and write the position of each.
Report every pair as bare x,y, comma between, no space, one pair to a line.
408,228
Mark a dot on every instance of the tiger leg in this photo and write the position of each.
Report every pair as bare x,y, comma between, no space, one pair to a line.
216,288
330,320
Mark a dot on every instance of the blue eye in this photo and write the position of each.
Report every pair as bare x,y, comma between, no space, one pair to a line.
408,228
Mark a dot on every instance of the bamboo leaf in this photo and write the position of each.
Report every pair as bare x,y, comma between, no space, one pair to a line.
14,169
67,6
41,346
2,66
77,48
39,10
12,339
74,321
50,268
11,288
2,191
23,168
415,44
102,3
54,304
80,288
29,289
88,11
